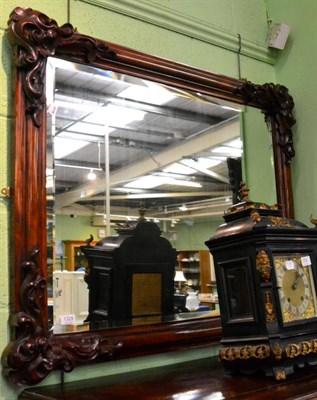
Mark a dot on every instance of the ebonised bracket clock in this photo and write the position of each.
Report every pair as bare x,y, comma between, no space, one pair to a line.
267,278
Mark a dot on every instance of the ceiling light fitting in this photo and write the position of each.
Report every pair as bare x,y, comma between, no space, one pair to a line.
91,176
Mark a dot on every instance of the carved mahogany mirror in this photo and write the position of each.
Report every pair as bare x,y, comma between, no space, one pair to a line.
35,349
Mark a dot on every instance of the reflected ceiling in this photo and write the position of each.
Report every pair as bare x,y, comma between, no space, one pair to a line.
141,142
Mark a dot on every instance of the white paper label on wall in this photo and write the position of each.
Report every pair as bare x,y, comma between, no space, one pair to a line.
67,319
101,233
305,261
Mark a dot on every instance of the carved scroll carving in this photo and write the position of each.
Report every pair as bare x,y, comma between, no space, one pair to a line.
36,351
247,352
37,37
277,106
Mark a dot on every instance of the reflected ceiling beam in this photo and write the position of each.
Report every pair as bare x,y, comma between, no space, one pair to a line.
207,172
154,195
115,136
214,137
199,215
66,99
221,206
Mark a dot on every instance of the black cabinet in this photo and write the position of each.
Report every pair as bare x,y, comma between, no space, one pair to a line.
131,276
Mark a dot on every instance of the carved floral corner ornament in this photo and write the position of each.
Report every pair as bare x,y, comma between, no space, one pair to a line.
36,37
278,106
36,352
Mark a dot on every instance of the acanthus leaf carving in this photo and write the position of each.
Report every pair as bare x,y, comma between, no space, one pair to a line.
36,351
278,105
36,37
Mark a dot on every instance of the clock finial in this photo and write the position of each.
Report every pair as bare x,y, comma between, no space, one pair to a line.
141,211
313,220
243,192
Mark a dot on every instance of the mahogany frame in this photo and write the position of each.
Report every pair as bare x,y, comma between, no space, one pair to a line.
35,351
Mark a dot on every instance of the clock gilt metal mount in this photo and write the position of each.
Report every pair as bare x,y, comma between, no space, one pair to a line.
266,274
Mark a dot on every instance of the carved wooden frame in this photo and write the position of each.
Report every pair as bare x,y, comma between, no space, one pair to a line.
34,350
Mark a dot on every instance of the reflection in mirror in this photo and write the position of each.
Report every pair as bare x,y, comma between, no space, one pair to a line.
116,141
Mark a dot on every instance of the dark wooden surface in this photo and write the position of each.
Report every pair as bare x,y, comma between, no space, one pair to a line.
202,379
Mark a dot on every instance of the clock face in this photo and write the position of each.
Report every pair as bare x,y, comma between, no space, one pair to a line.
296,287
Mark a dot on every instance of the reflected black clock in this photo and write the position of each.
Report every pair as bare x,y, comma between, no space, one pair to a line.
266,276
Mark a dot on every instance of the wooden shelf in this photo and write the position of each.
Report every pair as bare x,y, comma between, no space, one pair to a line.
196,267
74,257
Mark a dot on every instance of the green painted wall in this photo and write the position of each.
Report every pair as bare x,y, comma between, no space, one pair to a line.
184,236
296,67
192,234
203,33
78,228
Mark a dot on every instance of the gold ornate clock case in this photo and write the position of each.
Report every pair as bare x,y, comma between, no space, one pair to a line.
266,275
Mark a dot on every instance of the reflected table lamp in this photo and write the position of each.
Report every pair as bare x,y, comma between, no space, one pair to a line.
179,278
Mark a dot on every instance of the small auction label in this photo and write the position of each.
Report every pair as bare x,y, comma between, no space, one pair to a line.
289,264
67,319
305,261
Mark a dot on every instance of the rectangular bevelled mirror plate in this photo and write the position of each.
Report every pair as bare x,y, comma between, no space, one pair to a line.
116,141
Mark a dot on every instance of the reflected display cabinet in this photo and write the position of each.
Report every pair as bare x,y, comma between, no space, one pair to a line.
196,267
75,258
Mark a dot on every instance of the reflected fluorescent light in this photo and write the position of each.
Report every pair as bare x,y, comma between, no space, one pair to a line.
64,146
146,182
127,190
152,93
237,143
133,217
233,148
229,151
87,106
98,114
76,166
177,168
117,115
201,162
92,125
190,166
179,182
152,181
